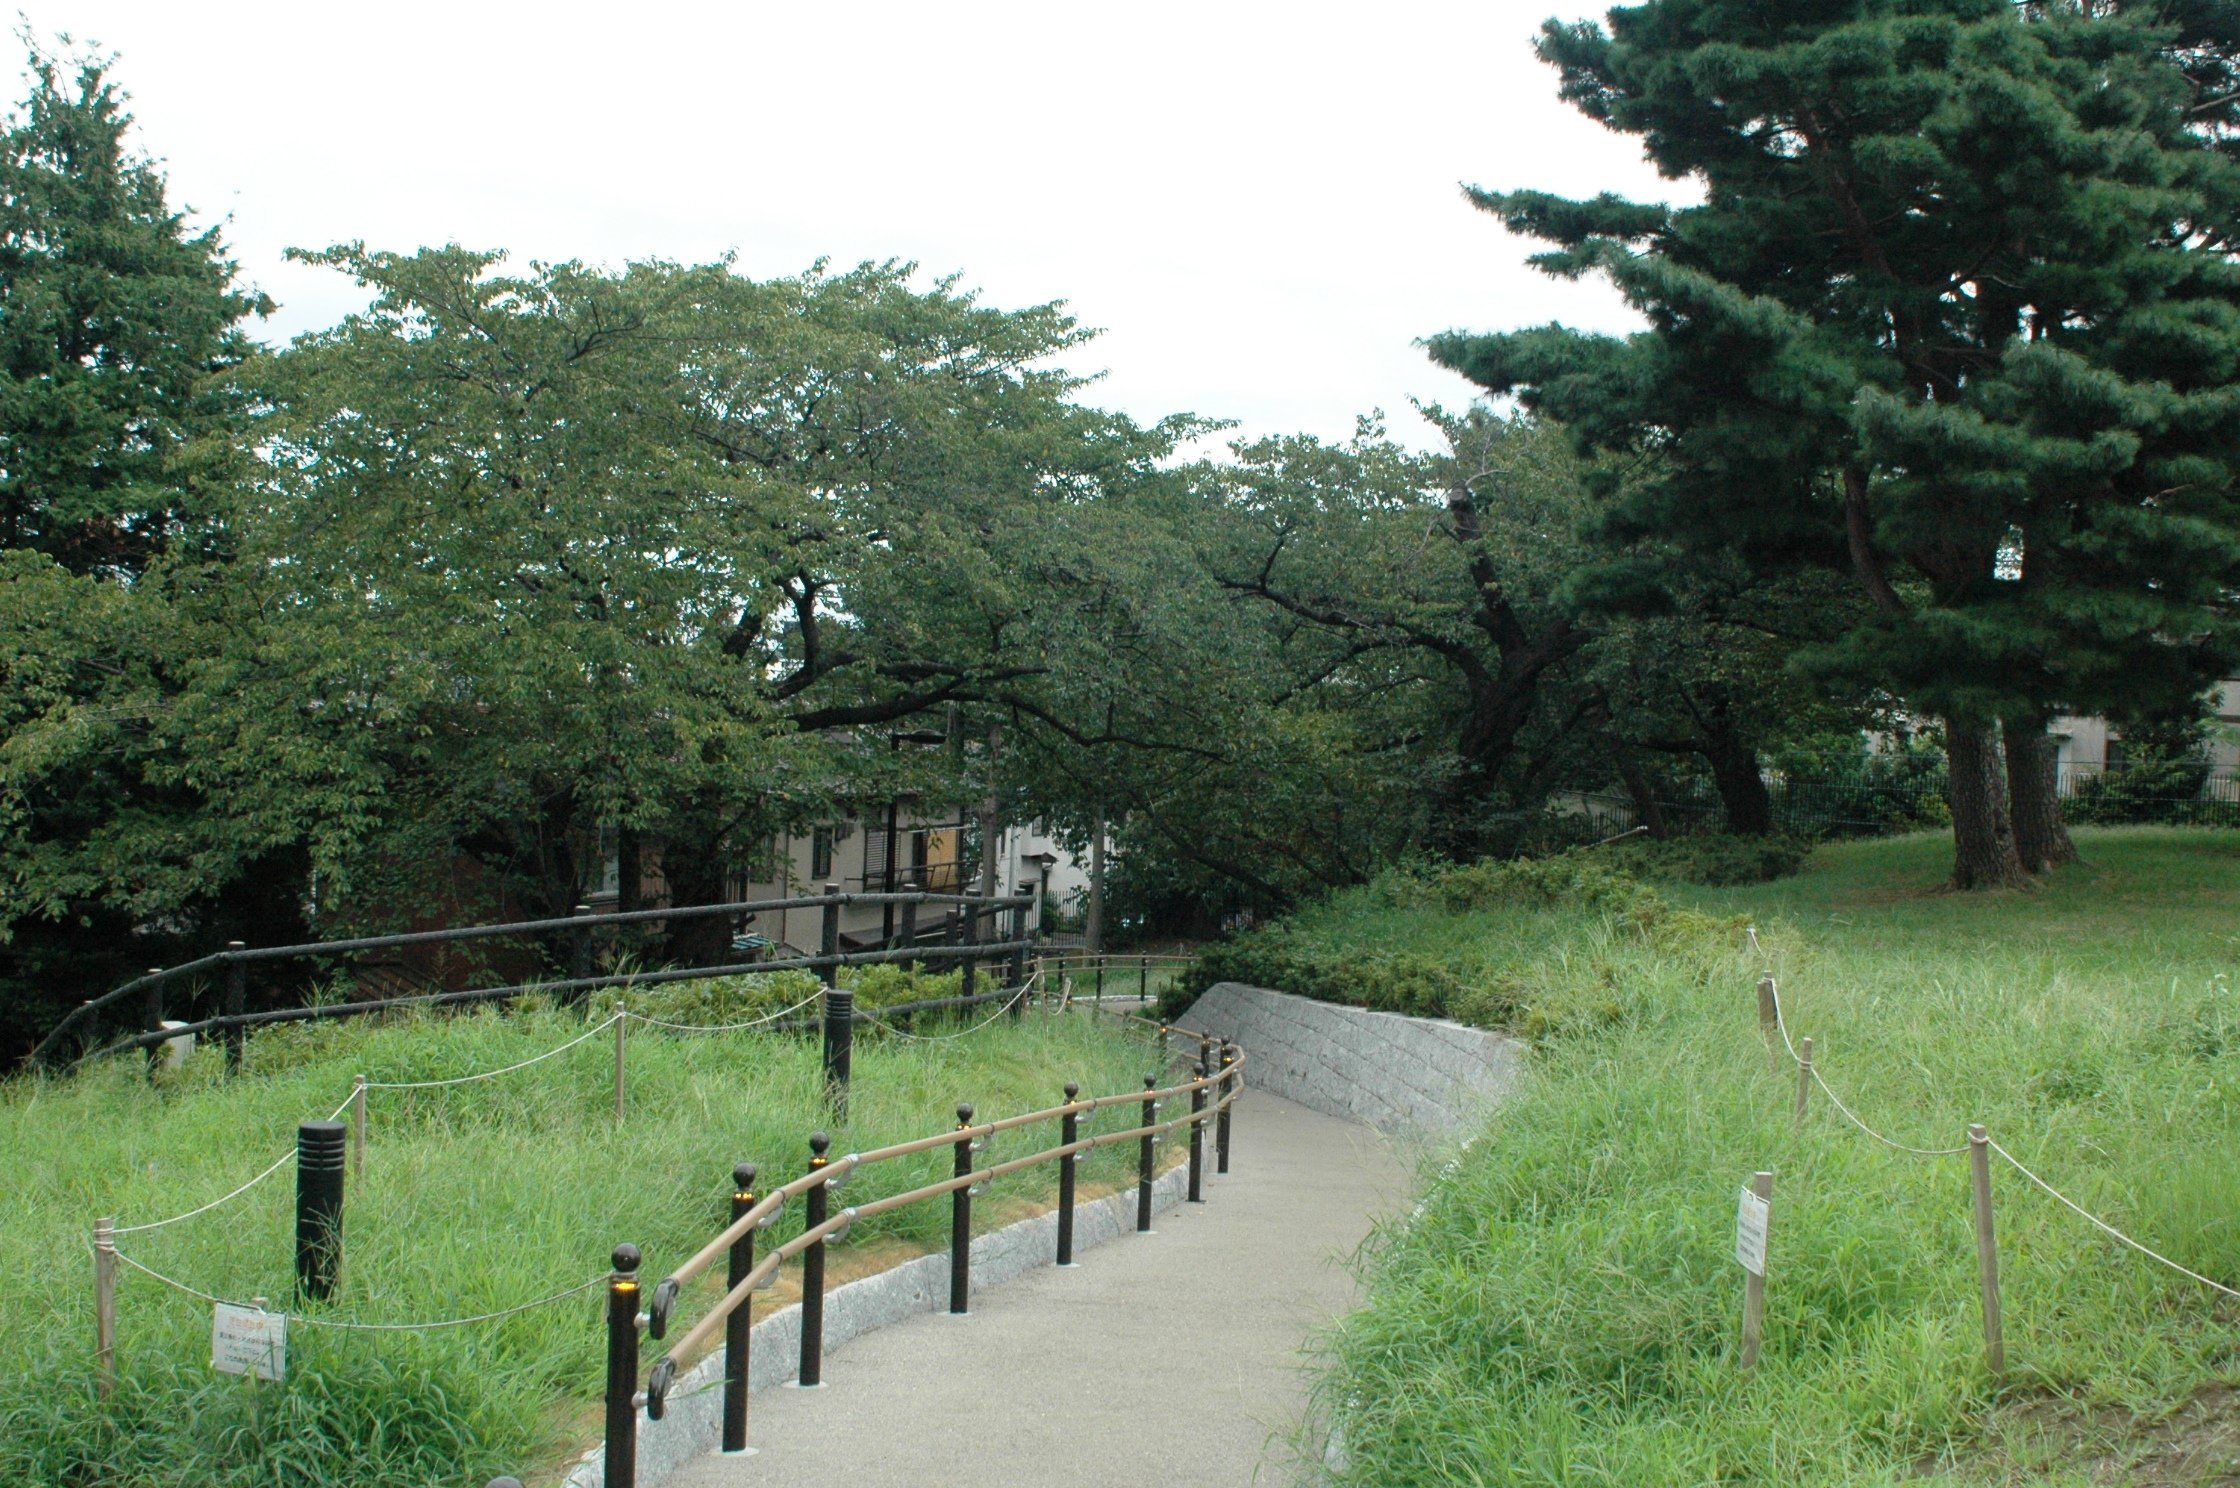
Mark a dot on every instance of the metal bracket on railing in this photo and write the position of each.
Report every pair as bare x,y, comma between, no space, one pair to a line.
664,1302
841,1171
977,1144
658,1382
771,1218
847,1223
977,1189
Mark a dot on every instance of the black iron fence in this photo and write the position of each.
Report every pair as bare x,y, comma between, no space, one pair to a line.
143,1003
1905,792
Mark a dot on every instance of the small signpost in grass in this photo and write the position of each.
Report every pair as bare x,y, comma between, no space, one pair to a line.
1750,1252
249,1340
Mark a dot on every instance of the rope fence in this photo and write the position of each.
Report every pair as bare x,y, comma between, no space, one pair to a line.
326,1148
1979,1149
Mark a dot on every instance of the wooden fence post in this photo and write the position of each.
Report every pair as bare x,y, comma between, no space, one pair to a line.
1804,1078
358,1127
621,1057
105,1304
1987,1249
1754,1288
1769,1023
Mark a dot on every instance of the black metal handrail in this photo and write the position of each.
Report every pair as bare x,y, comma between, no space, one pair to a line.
580,924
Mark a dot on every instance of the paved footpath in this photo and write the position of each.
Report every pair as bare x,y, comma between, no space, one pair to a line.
1172,1357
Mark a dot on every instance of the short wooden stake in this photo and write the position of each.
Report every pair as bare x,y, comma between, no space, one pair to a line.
358,1127
1769,1022
105,1304
621,1045
1804,1078
1754,1288
1987,1249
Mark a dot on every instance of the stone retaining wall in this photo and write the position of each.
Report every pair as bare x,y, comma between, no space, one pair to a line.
1381,1069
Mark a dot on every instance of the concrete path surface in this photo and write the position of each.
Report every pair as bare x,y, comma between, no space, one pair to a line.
1172,1357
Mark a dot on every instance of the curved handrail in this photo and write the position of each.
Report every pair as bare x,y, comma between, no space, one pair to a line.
704,1329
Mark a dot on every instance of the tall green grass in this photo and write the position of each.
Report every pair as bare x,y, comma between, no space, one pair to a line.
1565,1309
475,1199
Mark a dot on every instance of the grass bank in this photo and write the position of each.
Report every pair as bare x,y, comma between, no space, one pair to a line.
475,1199
1565,1308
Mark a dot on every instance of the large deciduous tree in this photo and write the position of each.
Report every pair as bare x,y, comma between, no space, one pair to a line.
1957,315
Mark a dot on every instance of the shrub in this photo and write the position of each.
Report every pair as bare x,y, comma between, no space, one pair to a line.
1714,858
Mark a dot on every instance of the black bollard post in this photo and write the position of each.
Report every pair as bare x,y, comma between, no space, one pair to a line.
910,922
151,1001
1198,1123
968,935
815,1208
1069,1132
1144,1158
1100,980
622,1369
839,1049
960,1220
1221,1122
237,1003
738,1329
321,1153
1019,958
579,957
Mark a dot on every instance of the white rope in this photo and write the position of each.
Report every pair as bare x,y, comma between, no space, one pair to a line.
156,1224
1781,1023
319,1322
2109,1228
940,1038
278,1163
493,1074
729,1027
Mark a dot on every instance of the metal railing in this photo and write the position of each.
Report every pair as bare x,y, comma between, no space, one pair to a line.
234,962
1212,1094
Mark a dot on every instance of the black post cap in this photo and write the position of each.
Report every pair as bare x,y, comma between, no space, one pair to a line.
743,1176
819,1143
626,1257
1073,1090
964,1113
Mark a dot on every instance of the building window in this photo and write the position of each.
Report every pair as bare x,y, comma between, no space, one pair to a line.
820,854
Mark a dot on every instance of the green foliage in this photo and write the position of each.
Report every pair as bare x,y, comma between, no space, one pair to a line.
1562,1308
1712,858
1954,317
475,1198
1421,942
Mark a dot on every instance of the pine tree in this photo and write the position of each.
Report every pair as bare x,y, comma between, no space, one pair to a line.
113,317
1957,315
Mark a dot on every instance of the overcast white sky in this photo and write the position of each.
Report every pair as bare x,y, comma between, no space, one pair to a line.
1257,203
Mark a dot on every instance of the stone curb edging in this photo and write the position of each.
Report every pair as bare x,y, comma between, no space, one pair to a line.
693,1425
1386,1070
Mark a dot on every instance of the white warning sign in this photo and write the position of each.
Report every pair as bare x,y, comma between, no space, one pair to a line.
249,1340
1750,1233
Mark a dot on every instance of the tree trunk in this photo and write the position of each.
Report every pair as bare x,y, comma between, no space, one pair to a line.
1741,785
2041,837
1983,836
1647,809
1094,926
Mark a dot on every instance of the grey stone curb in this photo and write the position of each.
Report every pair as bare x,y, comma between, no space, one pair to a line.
693,1424
1395,1073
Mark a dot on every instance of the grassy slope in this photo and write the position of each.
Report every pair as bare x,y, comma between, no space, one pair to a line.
474,1199
1566,1309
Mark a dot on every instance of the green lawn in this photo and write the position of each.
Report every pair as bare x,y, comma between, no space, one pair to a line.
475,1198
1566,1308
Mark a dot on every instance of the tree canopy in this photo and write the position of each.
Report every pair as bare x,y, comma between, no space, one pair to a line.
1956,315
